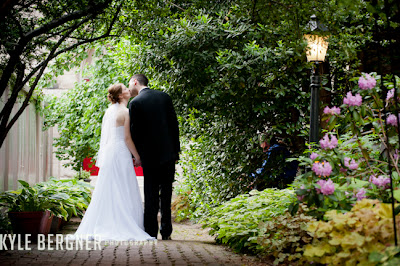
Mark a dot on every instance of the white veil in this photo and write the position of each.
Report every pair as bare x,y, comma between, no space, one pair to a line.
107,139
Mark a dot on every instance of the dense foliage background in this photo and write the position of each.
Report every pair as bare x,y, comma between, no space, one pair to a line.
234,69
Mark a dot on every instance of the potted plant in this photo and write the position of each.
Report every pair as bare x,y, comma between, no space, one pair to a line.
79,193
31,209
5,226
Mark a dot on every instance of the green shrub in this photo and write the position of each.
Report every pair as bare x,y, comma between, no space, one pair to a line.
208,173
82,175
236,222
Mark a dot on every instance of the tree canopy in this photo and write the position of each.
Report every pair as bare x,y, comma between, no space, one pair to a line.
234,68
35,32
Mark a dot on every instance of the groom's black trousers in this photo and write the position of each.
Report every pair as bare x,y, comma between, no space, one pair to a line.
158,180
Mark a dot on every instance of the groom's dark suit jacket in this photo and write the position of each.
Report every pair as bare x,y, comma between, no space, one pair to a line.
154,127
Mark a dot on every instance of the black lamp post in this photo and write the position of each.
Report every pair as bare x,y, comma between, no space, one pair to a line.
316,51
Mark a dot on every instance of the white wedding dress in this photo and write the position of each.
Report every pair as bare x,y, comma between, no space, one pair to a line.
115,211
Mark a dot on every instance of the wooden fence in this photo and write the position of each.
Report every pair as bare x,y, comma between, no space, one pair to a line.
27,151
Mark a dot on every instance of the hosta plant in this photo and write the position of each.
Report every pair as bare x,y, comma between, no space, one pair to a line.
79,195
236,222
31,199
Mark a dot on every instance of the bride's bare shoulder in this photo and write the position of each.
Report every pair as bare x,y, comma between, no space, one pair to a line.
123,110
121,115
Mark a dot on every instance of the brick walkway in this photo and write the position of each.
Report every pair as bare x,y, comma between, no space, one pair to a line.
191,245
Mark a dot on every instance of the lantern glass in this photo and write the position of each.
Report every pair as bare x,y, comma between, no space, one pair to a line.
317,47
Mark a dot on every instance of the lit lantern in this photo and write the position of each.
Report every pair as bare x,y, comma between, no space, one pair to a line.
317,47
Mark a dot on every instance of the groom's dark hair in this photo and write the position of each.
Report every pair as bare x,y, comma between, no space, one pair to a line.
142,79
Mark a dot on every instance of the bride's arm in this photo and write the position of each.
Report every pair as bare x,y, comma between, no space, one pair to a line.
128,138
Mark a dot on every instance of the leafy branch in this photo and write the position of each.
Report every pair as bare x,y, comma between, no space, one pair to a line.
26,45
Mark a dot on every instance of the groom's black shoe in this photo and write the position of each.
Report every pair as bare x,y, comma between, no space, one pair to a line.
166,238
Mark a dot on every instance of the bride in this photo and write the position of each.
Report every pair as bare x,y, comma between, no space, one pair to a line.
115,211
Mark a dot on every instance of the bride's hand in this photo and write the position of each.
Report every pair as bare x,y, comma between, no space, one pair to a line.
138,162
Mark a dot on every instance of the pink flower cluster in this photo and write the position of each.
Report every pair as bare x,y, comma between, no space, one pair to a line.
391,120
327,143
332,111
327,187
351,100
352,165
390,95
322,169
361,194
314,156
379,181
366,82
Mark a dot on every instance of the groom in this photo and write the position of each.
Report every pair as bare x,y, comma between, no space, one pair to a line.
155,132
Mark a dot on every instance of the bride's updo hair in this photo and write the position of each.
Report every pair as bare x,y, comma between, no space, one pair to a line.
114,91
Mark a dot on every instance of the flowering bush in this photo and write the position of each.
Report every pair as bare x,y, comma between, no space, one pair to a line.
349,238
352,165
366,82
322,169
327,187
391,120
381,181
332,111
351,100
327,143
352,160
